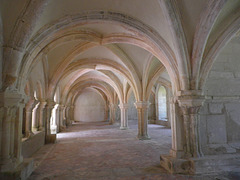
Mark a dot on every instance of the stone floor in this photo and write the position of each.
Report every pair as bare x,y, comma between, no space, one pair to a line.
102,151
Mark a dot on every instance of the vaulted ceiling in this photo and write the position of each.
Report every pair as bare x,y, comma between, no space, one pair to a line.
120,45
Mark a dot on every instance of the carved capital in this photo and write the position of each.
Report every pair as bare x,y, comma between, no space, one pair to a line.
123,106
42,104
61,107
10,98
191,104
142,104
50,104
113,106
31,104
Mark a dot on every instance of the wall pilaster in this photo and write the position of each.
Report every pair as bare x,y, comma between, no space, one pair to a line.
11,113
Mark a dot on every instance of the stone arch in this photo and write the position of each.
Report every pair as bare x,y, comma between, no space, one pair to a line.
152,81
40,93
98,86
90,65
20,36
150,40
80,82
203,30
98,90
1,52
218,45
92,105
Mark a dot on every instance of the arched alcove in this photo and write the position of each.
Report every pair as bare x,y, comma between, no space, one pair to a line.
162,103
89,107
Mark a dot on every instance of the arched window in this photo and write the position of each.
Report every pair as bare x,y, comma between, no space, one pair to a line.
162,103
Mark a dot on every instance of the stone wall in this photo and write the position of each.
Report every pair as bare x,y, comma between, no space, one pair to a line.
220,115
132,111
152,110
34,143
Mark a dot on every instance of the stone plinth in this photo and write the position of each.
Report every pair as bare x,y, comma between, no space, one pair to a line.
202,165
23,171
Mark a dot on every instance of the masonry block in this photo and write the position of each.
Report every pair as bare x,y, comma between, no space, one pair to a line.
215,108
216,129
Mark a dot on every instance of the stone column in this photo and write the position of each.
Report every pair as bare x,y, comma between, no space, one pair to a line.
190,106
29,107
124,116
106,112
57,120
18,133
177,130
67,116
142,109
49,138
113,109
41,116
185,135
54,119
61,118
6,160
64,116
71,113
35,117
11,112
19,38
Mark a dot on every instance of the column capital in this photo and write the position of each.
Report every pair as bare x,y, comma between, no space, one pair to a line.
190,98
142,104
50,103
31,104
112,105
57,106
61,107
191,103
10,98
43,104
123,105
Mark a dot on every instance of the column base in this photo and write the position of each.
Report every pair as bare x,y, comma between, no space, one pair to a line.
7,165
69,123
62,128
177,166
144,137
177,154
202,165
53,129
124,128
41,129
111,123
23,171
35,129
51,138
29,134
